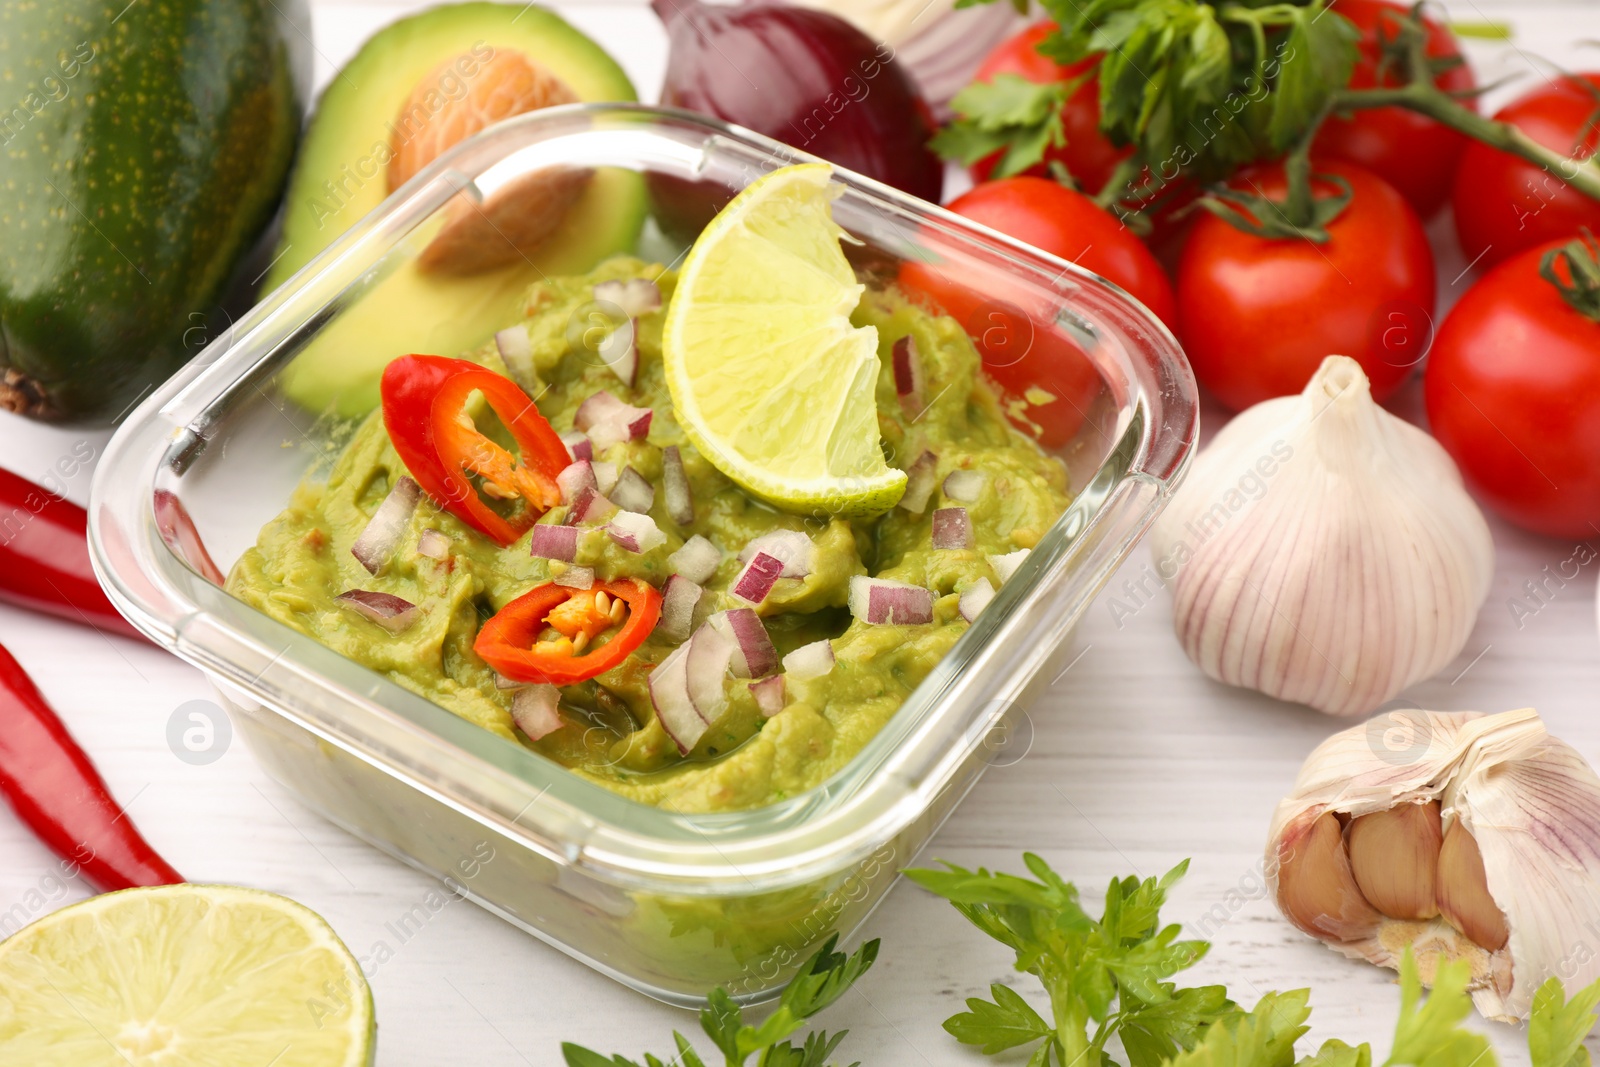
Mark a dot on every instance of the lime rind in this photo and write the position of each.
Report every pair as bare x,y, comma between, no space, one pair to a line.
769,378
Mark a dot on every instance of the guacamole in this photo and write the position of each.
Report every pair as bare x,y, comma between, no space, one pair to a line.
610,733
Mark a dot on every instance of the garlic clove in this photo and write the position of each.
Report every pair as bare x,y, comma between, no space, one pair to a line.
1394,855
1323,551
1463,890
1316,889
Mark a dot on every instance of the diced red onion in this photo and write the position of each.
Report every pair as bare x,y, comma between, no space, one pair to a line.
975,598
503,683
880,601
377,542
574,478
952,528
632,297
619,353
1005,566
635,532
575,578
433,544
548,541
758,578
710,652
609,421
908,375
697,560
514,345
632,492
391,612
605,476
793,549
756,657
769,695
679,598
592,507
920,479
669,693
809,661
675,484
965,486
578,444
535,710
598,408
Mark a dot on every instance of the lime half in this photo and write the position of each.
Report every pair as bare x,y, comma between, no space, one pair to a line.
768,377
183,976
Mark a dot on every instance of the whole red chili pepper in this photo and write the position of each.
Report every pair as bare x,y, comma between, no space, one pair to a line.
44,557
55,789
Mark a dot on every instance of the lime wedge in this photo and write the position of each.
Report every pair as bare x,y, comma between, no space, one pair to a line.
183,976
769,379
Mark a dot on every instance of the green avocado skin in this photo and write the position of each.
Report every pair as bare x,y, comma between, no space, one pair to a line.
143,148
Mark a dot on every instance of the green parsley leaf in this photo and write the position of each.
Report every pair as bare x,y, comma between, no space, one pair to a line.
1005,1022
1263,1038
1154,1032
1339,1054
1009,114
1432,1035
1557,1027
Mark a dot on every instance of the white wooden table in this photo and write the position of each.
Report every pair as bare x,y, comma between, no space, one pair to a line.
1136,761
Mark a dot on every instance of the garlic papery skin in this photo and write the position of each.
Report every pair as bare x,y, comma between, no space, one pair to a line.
1529,803
1323,551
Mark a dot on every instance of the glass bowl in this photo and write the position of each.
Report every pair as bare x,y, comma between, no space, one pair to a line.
669,904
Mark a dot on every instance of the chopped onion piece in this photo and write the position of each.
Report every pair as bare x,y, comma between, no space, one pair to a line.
535,710
679,598
605,477
618,352
1005,566
769,695
908,375
574,478
952,528
965,486
501,682
758,578
880,601
575,578
697,560
632,297
756,657
710,652
631,492
809,661
920,479
792,548
578,444
514,345
635,532
592,507
433,544
548,541
975,598
608,421
669,693
675,483
382,534
388,611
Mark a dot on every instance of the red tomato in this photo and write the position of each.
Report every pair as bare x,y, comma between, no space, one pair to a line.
1088,156
1412,152
1513,393
1257,316
1504,205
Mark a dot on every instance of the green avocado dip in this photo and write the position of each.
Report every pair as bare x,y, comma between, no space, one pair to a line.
609,730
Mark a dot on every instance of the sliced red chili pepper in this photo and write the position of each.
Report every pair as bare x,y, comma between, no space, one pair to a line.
510,643
55,789
424,410
44,557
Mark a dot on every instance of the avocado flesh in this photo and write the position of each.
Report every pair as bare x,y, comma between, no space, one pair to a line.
341,176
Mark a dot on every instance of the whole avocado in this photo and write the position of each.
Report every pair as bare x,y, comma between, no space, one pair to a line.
143,148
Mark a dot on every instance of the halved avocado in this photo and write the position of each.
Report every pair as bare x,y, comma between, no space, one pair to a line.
342,174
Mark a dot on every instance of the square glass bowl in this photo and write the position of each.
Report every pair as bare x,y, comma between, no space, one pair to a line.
669,904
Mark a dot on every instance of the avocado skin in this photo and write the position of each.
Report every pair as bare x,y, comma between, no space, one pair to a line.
143,149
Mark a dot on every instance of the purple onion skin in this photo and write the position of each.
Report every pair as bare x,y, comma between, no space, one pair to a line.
803,77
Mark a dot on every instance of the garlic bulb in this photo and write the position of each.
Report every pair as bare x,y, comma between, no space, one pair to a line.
1460,835
1323,551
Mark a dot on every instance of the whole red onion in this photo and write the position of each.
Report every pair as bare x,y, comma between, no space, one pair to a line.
806,78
